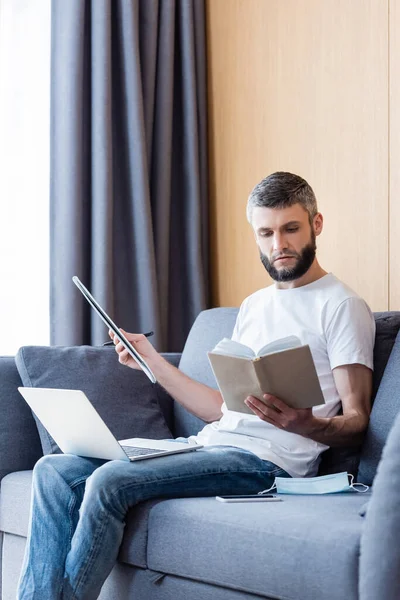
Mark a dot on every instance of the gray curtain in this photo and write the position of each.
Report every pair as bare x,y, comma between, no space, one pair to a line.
128,168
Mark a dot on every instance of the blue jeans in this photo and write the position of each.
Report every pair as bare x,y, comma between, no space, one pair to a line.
79,507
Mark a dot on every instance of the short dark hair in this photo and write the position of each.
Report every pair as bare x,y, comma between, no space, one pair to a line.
281,190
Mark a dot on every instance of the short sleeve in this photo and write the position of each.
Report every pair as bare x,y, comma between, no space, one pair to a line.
235,332
350,334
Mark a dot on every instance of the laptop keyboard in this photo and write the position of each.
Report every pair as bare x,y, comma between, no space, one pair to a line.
137,451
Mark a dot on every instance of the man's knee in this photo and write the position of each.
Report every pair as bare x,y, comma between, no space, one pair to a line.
44,472
45,464
106,485
105,478
54,466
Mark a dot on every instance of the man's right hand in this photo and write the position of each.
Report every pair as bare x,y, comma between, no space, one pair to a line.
197,398
140,343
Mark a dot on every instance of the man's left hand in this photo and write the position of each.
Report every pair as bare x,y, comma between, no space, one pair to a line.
275,411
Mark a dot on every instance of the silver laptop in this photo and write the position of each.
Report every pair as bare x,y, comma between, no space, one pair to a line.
77,428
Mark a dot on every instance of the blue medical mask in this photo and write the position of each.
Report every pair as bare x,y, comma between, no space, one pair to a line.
325,484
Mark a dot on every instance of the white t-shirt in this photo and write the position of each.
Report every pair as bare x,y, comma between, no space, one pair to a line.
339,328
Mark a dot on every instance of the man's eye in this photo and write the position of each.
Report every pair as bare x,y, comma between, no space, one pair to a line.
292,229
266,233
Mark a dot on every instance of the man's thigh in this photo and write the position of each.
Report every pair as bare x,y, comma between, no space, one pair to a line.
205,472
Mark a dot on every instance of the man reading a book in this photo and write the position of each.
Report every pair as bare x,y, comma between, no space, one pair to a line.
242,453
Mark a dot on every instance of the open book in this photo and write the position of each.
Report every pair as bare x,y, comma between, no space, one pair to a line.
284,368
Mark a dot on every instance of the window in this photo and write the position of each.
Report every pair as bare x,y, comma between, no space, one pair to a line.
24,173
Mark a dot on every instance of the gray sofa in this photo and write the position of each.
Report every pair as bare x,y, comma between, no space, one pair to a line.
342,546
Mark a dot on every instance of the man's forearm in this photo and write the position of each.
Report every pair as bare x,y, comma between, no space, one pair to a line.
197,398
342,430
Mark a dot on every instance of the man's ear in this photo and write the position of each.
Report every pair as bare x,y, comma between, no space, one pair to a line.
318,223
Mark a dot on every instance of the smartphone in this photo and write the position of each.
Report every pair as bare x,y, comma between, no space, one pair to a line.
249,498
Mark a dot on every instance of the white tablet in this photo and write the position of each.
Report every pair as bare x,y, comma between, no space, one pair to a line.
111,325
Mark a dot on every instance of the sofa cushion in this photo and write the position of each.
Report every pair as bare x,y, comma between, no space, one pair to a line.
387,328
15,499
129,583
303,547
384,411
16,424
125,398
209,327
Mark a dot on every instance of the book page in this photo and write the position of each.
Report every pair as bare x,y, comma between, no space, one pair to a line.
230,348
291,341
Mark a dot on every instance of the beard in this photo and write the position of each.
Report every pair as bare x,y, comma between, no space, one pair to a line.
304,261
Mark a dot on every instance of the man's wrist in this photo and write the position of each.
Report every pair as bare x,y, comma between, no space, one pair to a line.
318,428
161,368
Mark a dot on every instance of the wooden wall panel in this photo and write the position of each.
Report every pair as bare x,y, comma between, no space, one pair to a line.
394,180
301,86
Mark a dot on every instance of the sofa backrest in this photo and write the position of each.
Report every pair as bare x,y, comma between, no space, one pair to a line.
348,458
387,328
213,324
17,423
19,439
209,327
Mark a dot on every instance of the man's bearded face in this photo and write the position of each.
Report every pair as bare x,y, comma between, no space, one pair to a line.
296,265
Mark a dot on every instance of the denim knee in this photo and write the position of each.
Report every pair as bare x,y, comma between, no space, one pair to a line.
45,476
44,465
72,469
104,488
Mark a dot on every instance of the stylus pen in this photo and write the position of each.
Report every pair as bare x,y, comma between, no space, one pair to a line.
148,334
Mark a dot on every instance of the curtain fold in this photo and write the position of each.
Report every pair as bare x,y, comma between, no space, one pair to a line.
128,195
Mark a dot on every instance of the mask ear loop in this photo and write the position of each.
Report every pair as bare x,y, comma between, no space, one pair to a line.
273,487
362,485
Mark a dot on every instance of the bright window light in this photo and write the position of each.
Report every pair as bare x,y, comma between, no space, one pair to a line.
24,173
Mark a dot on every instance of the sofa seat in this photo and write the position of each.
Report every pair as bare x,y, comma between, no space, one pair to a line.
309,545
318,536
15,501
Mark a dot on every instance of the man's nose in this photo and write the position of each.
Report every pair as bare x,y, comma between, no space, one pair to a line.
280,242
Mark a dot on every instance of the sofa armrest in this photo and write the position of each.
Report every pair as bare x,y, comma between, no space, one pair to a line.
380,548
19,439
